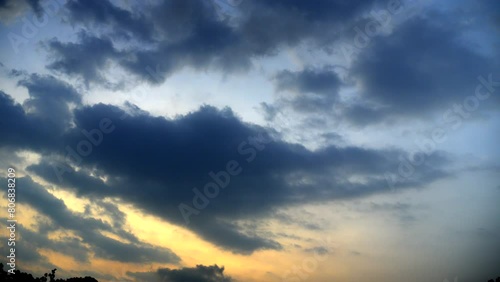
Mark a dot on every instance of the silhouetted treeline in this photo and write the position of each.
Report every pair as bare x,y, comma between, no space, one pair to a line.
491,280
47,277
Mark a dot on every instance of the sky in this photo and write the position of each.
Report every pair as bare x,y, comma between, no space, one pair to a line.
252,140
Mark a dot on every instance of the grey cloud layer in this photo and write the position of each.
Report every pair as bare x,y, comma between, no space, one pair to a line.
422,68
154,163
200,273
423,65
191,34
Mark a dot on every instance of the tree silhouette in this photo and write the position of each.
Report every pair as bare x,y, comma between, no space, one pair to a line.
19,276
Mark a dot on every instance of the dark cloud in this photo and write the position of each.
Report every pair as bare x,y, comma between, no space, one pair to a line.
422,67
361,115
426,64
35,6
167,158
322,82
200,273
186,33
121,22
45,114
29,249
96,52
314,89
11,9
321,10
269,25
3,3
192,37
191,33
154,163
13,134
70,246
49,100
97,275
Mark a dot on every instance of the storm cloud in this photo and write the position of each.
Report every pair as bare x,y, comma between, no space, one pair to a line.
256,123
195,34
168,158
200,273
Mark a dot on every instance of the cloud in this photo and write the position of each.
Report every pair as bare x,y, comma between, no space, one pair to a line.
45,114
186,33
200,273
178,34
361,115
308,81
418,68
422,67
269,25
168,158
49,99
88,231
158,165
12,134
122,23
11,9
97,54
33,242
35,6
29,249
314,89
